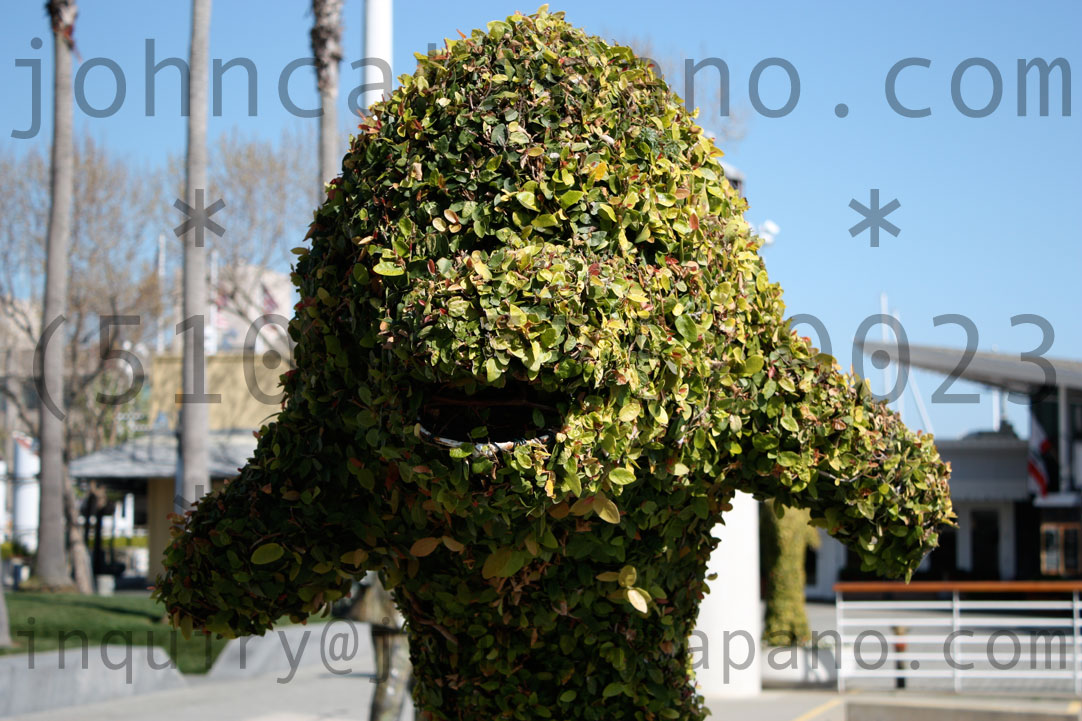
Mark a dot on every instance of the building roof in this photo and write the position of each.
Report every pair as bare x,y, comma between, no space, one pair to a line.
999,370
154,455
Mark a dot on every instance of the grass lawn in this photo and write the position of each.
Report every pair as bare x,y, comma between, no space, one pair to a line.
56,618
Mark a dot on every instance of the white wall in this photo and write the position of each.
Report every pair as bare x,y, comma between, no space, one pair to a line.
122,522
730,625
27,493
3,501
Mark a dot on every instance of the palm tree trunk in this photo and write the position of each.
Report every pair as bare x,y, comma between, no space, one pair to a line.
51,563
194,479
5,629
327,49
81,567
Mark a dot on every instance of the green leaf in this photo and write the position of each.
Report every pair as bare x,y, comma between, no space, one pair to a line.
492,370
630,412
606,509
613,689
627,576
453,545
496,564
267,553
389,269
354,558
788,459
621,476
528,199
753,365
424,546
570,198
545,220
463,451
687,327
638,600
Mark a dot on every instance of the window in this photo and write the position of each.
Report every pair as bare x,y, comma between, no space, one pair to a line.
1060,548
811,565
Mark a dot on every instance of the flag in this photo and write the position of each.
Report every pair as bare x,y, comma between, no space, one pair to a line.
269,304
1040,451
220,301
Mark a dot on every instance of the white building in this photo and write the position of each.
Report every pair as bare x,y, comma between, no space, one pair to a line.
1007,530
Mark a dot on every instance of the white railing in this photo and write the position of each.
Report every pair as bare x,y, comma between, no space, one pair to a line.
961,630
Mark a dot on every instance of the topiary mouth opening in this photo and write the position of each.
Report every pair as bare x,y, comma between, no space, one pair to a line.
514,413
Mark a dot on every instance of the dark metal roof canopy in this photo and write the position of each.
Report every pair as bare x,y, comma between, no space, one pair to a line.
999,370
155,455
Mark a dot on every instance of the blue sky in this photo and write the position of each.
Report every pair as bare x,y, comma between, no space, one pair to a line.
989,214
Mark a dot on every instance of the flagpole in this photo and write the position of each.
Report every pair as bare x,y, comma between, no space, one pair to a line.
210,330
378,25
159,342
1064,421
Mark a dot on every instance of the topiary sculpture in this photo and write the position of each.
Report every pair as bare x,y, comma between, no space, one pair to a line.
537,354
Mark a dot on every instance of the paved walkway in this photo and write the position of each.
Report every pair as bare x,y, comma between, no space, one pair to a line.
314,694
311,695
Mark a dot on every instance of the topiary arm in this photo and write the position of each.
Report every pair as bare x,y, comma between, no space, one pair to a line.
818,439
281,540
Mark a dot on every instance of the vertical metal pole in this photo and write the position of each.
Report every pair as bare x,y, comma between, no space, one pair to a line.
378,44
1074,644
839,662
163,298
1065,484
956,621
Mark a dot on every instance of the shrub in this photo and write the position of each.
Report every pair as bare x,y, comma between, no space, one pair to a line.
537,354
785,535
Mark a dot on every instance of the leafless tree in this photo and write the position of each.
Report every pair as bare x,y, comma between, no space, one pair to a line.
704,80
269,196
110,279
5,628
107,282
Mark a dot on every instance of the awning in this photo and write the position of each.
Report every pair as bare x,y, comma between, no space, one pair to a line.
998,370
154,455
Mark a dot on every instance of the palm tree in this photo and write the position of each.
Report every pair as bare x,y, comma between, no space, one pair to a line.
5,630
51,558
193,411
327,49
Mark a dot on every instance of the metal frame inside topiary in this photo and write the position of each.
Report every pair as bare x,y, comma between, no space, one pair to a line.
537,354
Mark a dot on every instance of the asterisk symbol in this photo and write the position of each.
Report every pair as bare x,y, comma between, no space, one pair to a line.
875,217
199,217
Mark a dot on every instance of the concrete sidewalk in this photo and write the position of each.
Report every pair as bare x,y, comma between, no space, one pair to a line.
315,694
